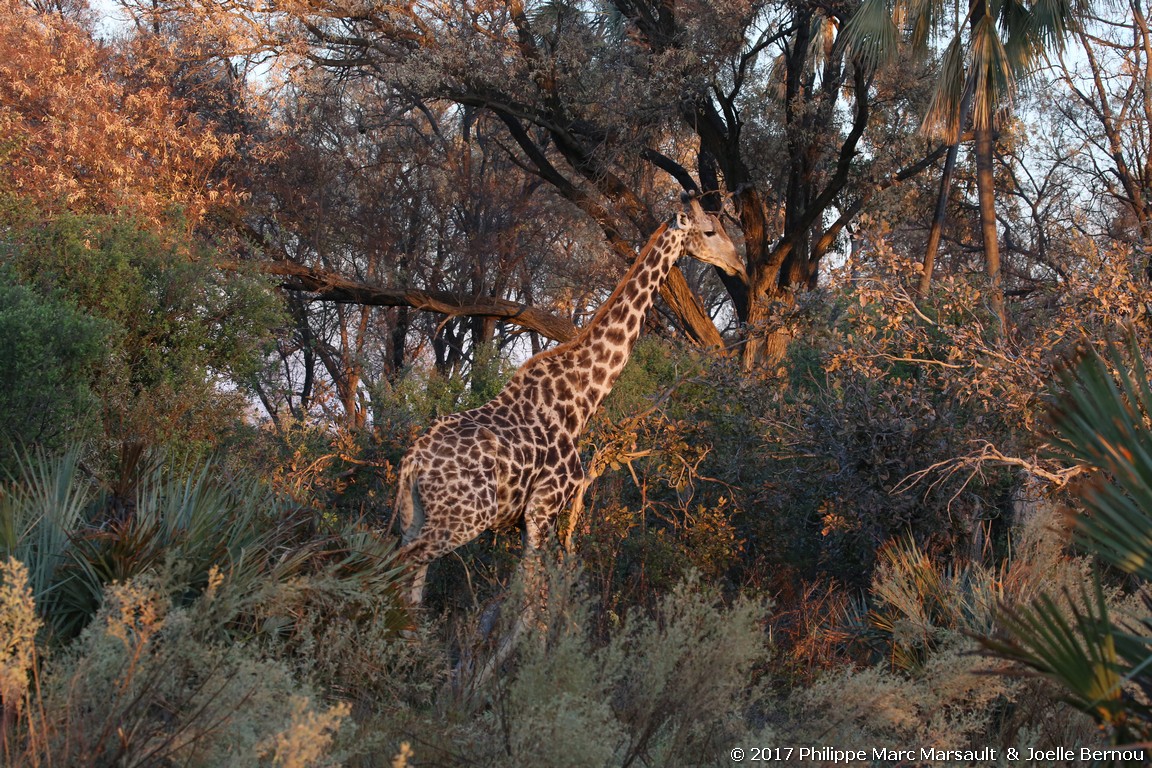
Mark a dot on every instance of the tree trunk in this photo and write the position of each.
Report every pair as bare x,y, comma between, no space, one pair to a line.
986,191
941,214
936,231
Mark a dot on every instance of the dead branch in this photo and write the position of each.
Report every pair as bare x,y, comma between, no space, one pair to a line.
326,285
975,461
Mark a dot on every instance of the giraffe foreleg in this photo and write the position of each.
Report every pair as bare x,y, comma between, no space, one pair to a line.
551,497
540,522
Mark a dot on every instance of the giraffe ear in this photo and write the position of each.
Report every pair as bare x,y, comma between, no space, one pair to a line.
680,221
704,222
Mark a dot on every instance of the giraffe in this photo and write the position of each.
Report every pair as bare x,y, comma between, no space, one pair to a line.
516,457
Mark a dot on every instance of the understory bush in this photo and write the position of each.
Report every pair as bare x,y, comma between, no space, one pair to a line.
892,415
930,684
145,685
121,331
671,687
48,394
192,594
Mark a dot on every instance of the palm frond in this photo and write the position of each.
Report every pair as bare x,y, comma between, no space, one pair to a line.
1076,644
872,35
1052,20
40,512
1101,421
1024,41
943,117
993,80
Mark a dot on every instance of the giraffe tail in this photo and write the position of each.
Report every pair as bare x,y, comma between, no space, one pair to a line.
408,506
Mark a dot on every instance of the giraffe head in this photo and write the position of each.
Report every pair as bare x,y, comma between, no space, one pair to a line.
706,240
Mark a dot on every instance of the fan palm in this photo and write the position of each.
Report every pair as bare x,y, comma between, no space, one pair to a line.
994,46
195,518
1102,422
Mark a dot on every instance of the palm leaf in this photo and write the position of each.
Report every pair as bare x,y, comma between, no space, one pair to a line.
993,80
1101,421
943,116
1079,651
1051,20
1023,40
871,34
40,512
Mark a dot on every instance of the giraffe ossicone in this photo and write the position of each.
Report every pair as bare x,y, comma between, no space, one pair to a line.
516,457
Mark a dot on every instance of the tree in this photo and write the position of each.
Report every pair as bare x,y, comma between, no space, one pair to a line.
80,136
997,43
1108,121
428,202
178,335
614,106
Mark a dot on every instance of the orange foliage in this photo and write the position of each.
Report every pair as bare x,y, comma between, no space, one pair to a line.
78,133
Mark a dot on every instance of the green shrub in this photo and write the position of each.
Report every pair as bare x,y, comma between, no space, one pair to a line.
49,355
173,326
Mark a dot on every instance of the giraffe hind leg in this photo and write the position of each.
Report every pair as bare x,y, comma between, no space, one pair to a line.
420,553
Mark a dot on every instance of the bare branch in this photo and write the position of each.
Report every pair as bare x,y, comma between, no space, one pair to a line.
330,286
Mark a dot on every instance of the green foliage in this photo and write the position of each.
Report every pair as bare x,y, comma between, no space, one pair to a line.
175,327
666,498
337,619
201,609
49,353
799,475
1081,646
956,702
1101,422
920,603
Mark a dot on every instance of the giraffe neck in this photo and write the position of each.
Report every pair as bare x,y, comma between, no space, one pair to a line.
594,360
